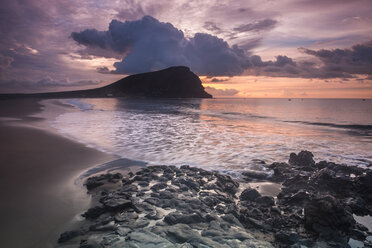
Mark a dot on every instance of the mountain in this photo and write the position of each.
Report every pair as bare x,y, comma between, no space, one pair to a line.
173,82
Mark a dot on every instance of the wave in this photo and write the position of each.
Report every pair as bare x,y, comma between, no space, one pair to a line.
343,126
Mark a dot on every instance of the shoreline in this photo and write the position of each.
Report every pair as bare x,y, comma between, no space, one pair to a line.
308,205
39,168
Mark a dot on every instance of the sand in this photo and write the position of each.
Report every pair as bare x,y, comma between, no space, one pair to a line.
37,173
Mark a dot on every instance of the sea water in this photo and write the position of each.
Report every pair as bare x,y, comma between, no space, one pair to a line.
223,134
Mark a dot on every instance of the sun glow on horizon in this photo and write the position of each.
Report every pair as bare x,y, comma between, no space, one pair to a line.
284,87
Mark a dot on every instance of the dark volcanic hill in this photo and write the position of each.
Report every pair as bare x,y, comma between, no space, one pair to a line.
173,82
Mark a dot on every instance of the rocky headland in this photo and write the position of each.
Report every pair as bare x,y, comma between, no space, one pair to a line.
173,82
167,206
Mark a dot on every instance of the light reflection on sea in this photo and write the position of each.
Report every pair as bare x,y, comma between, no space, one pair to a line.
223,134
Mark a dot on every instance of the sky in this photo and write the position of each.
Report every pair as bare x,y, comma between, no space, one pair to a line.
239,48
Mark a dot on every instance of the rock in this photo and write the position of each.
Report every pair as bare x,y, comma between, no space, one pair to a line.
327,217
255,175
181,233
66,236
227,184
232,220
93,182
146,239
249,195
125,216
94,212
123,231
115,204
303,158
159,186
358,205
327,180
266,201
287,238
103,228
299,198
176,217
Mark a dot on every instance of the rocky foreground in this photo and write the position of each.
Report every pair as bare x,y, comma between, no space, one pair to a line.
166,206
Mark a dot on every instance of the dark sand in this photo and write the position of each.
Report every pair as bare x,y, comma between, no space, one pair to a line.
37,171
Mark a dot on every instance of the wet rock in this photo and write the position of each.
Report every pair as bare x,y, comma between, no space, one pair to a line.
227,184
125,216
327,217
327,180
115,204
303,158
299,198
66,236
288,238
93,183
123,231
105,227
176,217
266,201
255,175
358,205
94,212
159,186
181,233
146,239
232,220
249,195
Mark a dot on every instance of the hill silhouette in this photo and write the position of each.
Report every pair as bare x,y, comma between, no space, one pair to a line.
173,82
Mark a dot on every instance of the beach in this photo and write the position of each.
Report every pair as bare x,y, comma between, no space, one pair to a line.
38,169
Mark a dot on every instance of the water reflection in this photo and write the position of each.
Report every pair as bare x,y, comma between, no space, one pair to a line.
222,134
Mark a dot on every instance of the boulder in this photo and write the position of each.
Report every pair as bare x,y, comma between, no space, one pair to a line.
249,195
303,159
326,216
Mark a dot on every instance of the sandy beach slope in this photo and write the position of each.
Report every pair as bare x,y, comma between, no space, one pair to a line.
37,171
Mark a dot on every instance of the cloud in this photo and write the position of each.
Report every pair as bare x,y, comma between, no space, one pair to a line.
148,45
5,61
46,83
357,60
212,26
218,80
221,92
258,26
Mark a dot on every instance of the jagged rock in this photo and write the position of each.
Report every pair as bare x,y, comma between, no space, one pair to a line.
255,175
303,158
327,217
66,236
249,195
175,218
266,201
288,238
94,212
115,204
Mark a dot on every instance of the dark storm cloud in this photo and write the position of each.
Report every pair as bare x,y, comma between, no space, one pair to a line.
221,92
150,45
357,60
265,24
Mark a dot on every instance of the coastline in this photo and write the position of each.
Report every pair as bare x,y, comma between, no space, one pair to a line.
38,169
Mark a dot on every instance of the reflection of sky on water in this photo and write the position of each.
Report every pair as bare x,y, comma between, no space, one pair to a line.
222,133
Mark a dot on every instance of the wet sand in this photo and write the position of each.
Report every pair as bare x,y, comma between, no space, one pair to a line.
37,173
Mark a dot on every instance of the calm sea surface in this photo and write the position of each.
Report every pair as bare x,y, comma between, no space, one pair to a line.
223,134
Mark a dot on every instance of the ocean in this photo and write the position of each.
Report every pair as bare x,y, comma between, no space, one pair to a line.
228,135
